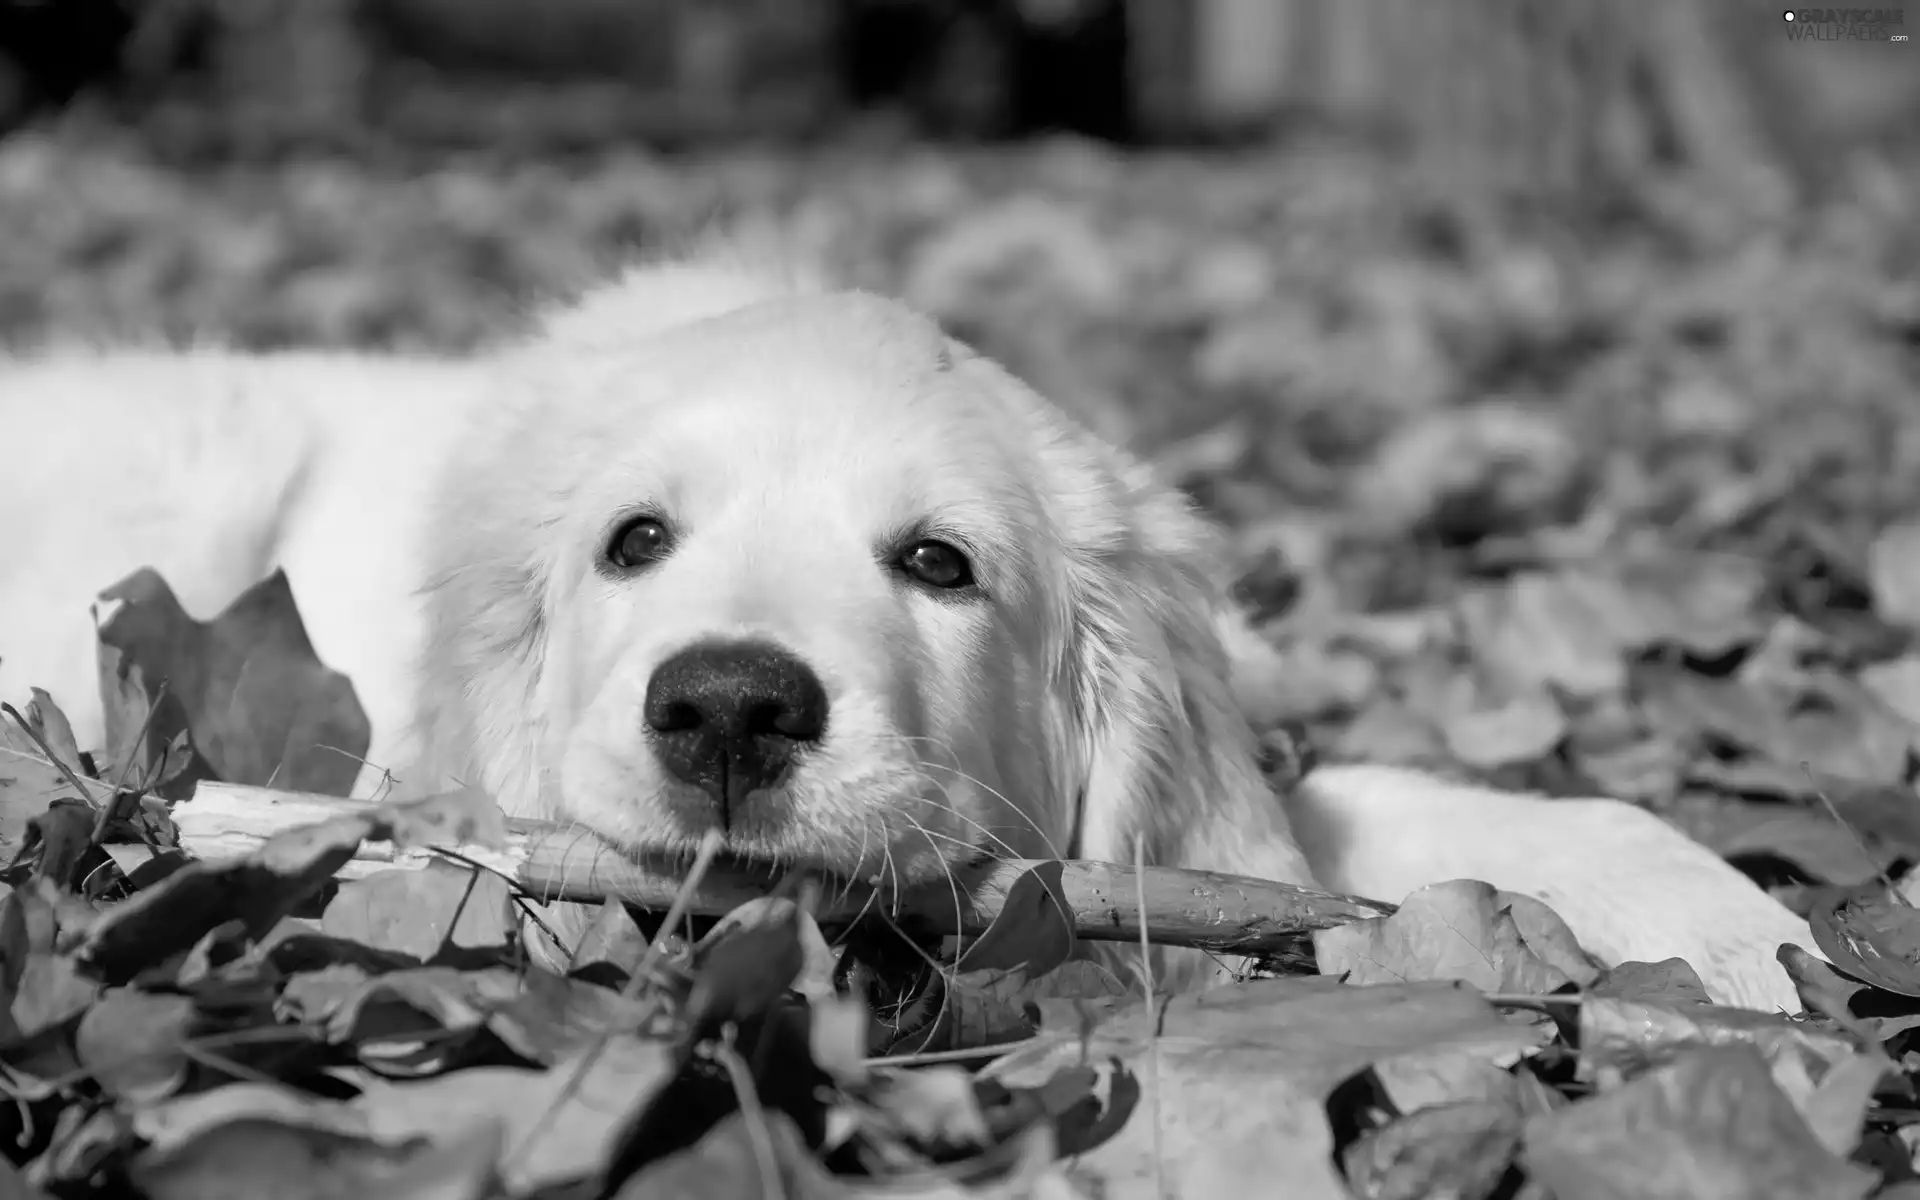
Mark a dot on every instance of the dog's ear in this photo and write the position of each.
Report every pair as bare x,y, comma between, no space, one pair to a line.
488,572
1157,741
1171,755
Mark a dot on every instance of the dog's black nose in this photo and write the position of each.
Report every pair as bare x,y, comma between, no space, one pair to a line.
729,717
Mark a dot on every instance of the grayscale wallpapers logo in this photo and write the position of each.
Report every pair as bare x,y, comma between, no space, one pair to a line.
1846,24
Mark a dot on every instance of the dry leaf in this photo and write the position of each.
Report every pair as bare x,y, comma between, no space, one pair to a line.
1456,1150
1670,980
133,1043
264,886
1033,932
420,913
1893,572
1871,935
260,707
1461,930
1710,1123
1240,1075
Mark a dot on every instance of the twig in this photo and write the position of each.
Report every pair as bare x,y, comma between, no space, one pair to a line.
755,1119
111,807
709,846
926,1058
1153,1017
79,785
520,901
146,726
1227,914
1541,1003
1833,810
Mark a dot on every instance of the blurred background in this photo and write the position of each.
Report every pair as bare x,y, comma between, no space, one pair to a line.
1556,366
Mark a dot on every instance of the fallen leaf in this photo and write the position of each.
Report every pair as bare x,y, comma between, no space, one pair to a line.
1034,930
1837,1107
29,784
1897,684
1520,730
557,1016
1545,631
1708,604
64,835
1619,1035
1893,574
253,1156
613,938
1462,930
173,1124
1414,1079
1484,468
1711,1123
1826,725
745,964
133,1043
1869,1013
540,1016
727,1162
1392,731
534,1151
935,1108
419,913
1240,1075
1455,1150
47,719
259,706
42,989
1809,838
262,887
987,1008
1870,934
1670,980
837,1037
1647,768
400,1008
14,1185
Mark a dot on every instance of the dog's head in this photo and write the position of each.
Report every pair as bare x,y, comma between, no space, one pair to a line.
800,568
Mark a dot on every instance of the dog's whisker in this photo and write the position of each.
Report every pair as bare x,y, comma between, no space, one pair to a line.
959,906
924,832
1046,842
866,835
954,769
888,874
999,847
873,890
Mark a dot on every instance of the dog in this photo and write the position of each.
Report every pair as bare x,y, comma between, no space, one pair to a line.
715,547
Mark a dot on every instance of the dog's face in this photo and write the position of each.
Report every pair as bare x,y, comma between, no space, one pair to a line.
785,574
812,575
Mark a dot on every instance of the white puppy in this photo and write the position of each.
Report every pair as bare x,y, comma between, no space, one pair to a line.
715,549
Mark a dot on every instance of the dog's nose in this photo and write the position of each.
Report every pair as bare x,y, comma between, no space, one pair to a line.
729,717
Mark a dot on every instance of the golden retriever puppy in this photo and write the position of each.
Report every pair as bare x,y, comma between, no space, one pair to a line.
716,549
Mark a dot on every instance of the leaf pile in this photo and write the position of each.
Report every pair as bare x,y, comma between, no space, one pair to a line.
251,1026
205,1036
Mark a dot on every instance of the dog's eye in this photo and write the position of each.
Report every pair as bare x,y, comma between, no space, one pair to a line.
937,564
639,542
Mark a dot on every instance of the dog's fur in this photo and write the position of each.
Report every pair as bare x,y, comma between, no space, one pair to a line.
443,524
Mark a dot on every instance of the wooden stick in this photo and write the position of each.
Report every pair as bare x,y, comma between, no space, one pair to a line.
1231,914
